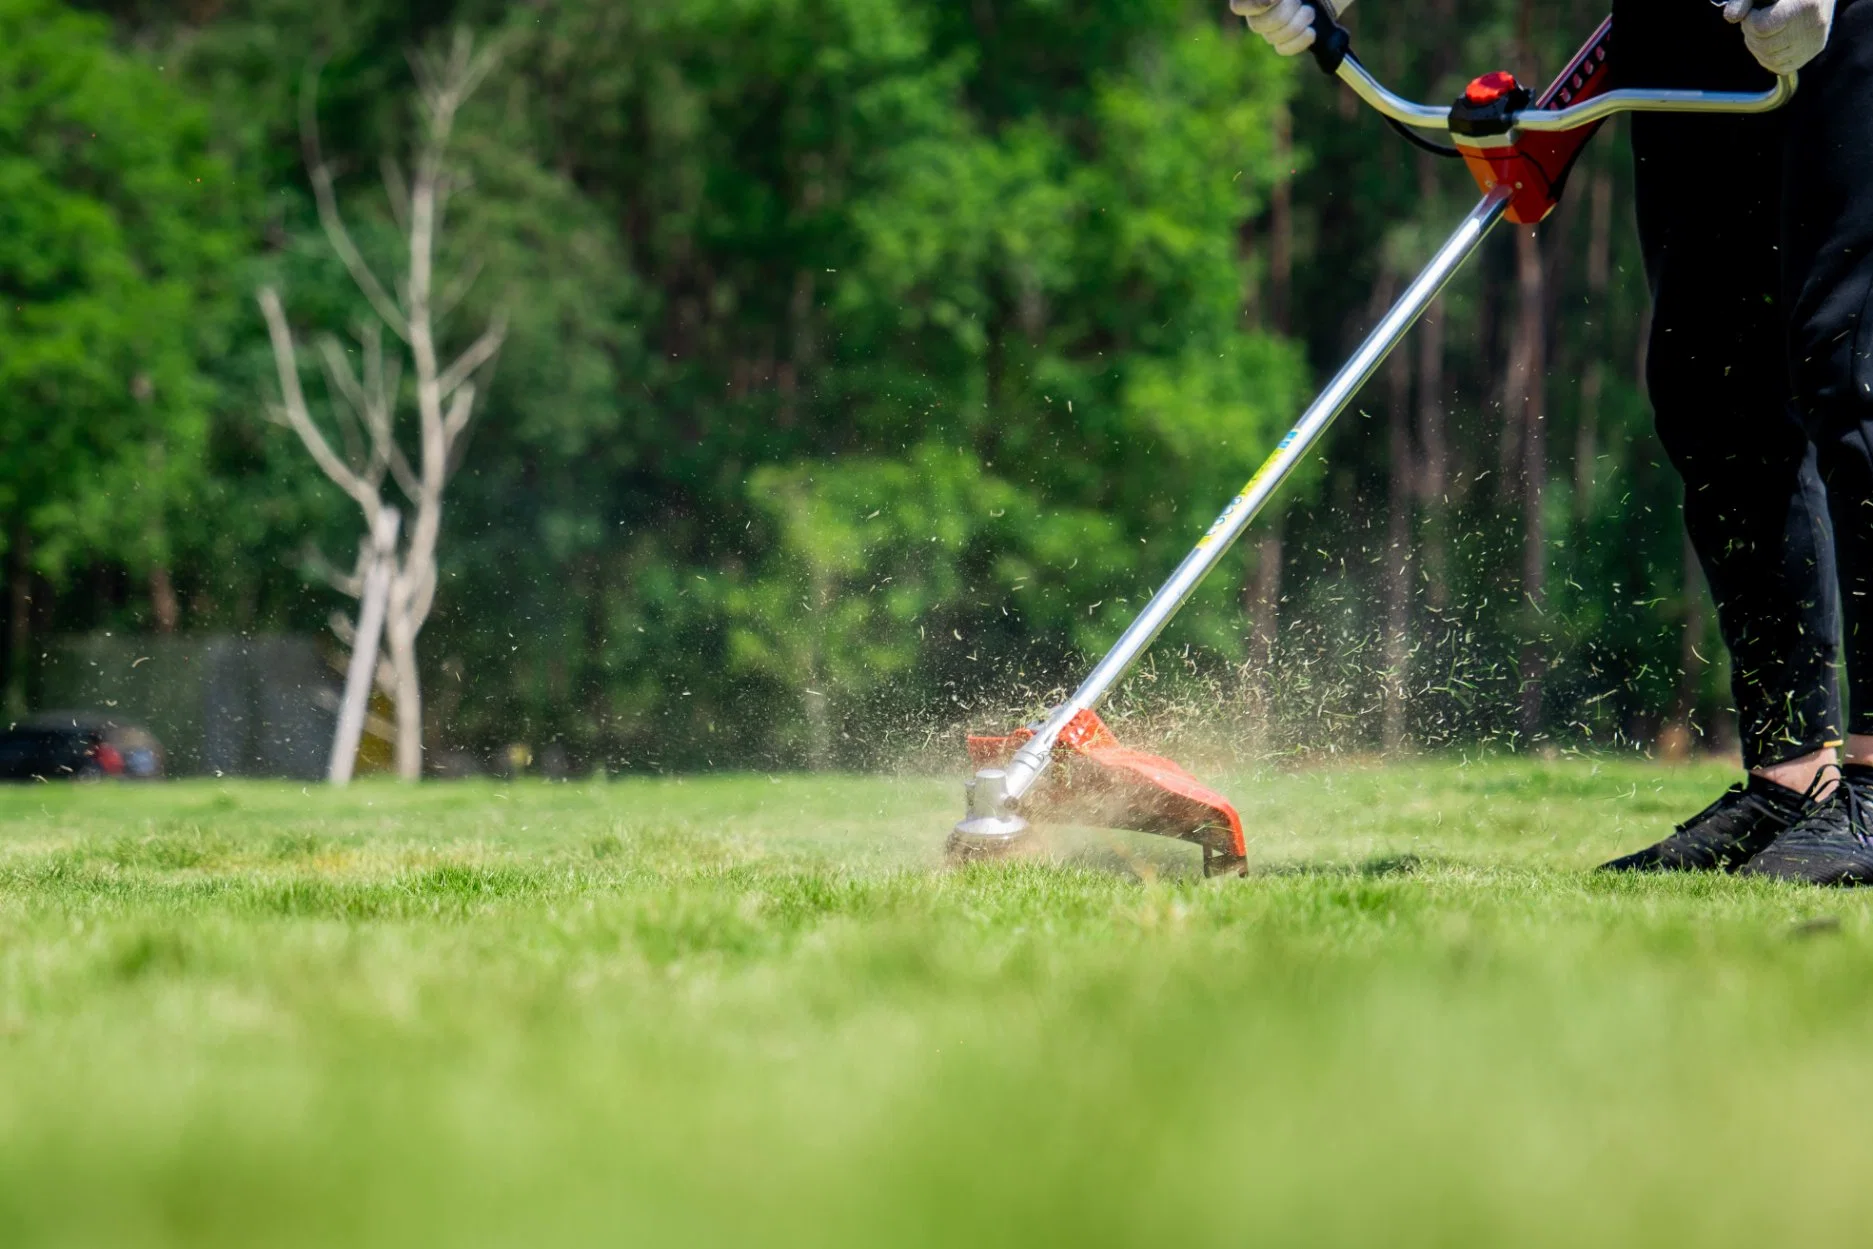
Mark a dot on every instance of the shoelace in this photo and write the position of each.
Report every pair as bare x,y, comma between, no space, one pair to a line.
1810,797
1859,809
1856,803
1860,816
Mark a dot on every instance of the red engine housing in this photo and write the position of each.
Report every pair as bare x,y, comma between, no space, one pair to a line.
1536,165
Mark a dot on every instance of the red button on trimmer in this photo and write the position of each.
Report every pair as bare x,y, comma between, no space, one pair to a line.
1490,88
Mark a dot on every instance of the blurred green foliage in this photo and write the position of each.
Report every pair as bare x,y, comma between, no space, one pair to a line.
870,361
116,260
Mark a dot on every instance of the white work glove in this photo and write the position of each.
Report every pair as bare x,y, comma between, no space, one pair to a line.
1288,25
1786,36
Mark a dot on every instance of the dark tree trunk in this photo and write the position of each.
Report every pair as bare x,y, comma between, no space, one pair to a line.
1394,566
1263,595
1526,407
1397,563
818,690
1263,589
1432,416
1281,232
1593,382
165,609
1680,733
1433,438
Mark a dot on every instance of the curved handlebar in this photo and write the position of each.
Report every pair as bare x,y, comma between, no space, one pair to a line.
1641,100
1573,117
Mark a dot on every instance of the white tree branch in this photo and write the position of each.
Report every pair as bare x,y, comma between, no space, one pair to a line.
298,416
332,220
479,352
455,420
339,374
352,408
422,595
464,282
349,584
381,380
397,191
406,478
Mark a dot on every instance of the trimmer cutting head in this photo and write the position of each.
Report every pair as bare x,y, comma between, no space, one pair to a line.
990,829
1093,780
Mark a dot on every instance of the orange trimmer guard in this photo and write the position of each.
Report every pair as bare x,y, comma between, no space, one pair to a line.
1097,781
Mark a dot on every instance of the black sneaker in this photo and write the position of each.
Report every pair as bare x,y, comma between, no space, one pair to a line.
1833,843
1725,835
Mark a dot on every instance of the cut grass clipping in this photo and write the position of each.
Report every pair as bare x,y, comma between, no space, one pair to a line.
741,1011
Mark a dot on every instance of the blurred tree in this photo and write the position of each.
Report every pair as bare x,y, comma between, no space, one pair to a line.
395,585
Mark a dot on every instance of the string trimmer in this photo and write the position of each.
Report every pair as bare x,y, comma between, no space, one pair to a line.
1070,768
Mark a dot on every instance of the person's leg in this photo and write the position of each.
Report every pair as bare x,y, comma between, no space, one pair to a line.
1709,216
1709,222
1827,248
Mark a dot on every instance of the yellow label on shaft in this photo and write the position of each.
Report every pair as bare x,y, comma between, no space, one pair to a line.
1242,500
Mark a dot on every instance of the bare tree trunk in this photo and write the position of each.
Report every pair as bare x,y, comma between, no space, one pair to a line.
401,641
1527,395
373,603
19,619
164,608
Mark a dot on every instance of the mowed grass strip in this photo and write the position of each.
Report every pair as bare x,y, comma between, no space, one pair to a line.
753,1010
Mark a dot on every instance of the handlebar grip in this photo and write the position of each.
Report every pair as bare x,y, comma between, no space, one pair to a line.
1331,42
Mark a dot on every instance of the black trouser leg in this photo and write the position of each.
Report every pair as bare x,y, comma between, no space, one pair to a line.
1711,208
1827,287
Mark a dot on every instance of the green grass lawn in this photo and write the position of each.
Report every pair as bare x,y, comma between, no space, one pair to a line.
755,1011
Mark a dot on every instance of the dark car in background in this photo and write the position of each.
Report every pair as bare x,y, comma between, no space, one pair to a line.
63,746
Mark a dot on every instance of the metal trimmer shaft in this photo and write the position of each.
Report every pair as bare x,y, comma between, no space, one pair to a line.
994,796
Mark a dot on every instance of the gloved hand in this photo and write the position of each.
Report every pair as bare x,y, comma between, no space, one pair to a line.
1288,25
1786,36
